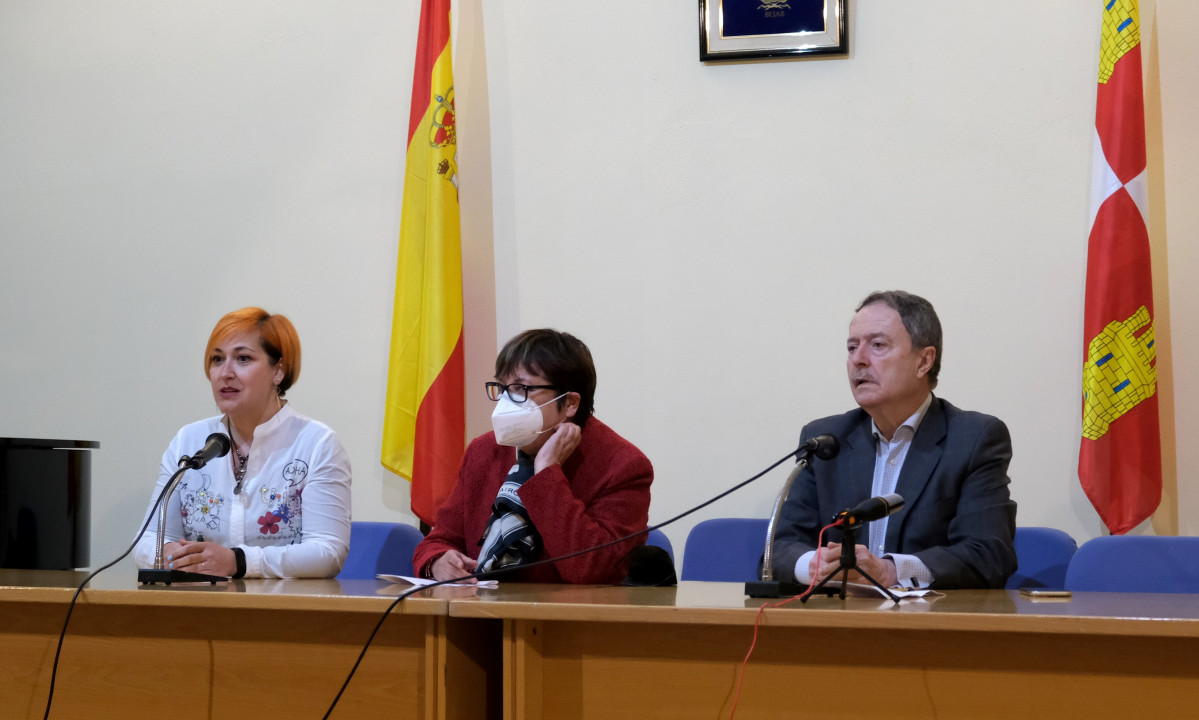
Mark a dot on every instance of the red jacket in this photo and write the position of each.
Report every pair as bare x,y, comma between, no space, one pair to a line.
599,494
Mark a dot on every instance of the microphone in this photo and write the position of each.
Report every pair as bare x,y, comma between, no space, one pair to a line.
875,508
850,520
823,446
215,447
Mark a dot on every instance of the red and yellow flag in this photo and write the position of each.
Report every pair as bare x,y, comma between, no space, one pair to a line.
1119,462
424,422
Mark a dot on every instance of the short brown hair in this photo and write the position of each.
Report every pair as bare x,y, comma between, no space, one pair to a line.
276,335
560,358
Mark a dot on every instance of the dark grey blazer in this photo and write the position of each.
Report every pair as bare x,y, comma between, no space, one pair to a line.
958,517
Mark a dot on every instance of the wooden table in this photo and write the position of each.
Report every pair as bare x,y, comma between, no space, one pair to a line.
614,652
271,647
252,648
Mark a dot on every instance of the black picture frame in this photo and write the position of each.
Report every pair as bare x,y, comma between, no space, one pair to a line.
763,29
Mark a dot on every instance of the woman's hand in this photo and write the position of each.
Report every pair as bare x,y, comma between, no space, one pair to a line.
559,447
169,549
200,557
453,564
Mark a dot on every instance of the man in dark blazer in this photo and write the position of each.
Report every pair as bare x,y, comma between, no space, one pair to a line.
956,526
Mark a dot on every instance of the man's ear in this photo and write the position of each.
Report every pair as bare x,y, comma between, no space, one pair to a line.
927,356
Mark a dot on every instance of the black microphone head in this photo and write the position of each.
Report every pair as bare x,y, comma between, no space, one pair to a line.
217,445
823,446
827,446
871,509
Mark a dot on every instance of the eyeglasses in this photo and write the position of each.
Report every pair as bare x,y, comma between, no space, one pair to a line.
519,393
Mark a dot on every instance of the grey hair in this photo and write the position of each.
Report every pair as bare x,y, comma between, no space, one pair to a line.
919,319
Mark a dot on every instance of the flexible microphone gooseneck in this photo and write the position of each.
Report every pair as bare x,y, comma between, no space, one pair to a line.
212,449
217,445
825,447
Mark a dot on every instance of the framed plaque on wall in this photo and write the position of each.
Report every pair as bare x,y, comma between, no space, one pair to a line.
757,29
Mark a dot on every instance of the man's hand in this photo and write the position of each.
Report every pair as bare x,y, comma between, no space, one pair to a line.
454,564
201,557
559,447
881,569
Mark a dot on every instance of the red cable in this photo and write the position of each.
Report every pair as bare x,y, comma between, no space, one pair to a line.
762,609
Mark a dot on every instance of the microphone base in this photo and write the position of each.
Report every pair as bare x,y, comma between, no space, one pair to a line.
778,589
150,576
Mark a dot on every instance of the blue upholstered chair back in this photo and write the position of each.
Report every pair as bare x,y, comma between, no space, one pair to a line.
1044,554
379,547
1123,563
728,550
724,550
659,539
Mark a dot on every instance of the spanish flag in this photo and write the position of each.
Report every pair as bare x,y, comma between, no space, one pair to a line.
1119,463
424,423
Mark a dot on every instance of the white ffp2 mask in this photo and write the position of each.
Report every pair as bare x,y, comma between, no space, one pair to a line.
517,424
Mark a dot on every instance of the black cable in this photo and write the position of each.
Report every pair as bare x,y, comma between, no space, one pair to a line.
374,632
514,568
86,580
630,536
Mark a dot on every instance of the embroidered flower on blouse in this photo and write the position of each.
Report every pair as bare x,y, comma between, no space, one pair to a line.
269,523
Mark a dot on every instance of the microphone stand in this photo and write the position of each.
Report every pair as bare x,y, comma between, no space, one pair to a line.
767,586
849,561
160,573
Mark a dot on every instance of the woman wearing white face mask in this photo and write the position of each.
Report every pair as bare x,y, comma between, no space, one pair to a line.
549,480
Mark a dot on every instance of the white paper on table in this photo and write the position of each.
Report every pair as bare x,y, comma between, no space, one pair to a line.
421,582
868,590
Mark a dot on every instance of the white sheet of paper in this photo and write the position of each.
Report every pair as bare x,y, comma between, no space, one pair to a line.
868,590
426,581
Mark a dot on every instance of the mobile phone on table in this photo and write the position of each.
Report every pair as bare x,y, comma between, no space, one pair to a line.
1045,593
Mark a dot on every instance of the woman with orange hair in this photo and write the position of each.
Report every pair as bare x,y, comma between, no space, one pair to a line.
279,504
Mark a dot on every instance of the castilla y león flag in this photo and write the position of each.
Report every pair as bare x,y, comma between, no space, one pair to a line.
1119,463
424,422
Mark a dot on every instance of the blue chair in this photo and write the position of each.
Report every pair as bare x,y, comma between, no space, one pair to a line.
1044,554
724,550
1122,563
659,539
379,547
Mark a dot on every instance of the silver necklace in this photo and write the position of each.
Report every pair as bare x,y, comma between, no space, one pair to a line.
239,471
239,467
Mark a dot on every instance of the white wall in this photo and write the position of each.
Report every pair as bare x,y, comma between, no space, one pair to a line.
706,229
